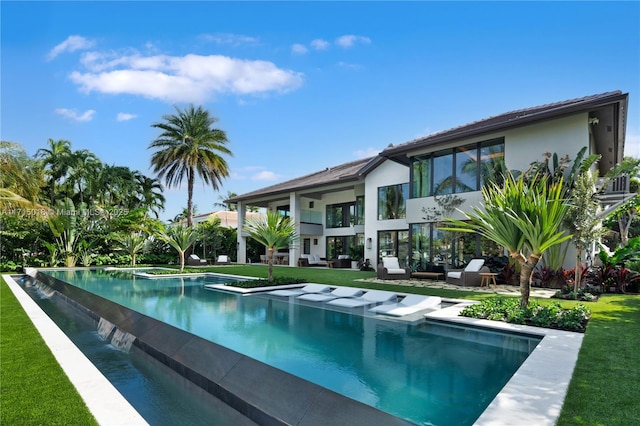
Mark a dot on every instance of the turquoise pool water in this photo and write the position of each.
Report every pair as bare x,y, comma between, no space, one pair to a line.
429,373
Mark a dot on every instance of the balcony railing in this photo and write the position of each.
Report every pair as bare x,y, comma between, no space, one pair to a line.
619,185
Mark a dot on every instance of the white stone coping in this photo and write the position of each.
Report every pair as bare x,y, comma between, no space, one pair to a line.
107,405
535,393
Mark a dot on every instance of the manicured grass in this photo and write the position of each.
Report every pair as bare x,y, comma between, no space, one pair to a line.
34,389
604,389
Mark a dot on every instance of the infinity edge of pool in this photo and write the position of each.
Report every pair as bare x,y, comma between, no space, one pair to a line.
533,395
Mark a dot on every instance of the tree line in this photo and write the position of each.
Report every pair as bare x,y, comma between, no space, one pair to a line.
66,206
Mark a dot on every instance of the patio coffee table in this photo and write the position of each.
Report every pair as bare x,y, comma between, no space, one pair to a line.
432,275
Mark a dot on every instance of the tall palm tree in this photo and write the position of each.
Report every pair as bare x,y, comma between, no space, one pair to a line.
150,194
523,216
83,167
21,178
189,145
55,159
274,232
222,198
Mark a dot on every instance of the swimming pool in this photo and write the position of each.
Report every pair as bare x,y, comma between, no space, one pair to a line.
426,372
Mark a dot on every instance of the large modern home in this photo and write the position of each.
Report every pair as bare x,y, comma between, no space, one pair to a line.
391,204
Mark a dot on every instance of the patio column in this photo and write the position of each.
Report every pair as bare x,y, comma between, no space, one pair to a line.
241,244
294,210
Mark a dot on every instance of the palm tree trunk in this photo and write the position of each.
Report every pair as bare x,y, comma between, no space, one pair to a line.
270,257
526,272
190,198
576,282
181,261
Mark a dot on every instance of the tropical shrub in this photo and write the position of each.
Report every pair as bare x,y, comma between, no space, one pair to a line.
547,316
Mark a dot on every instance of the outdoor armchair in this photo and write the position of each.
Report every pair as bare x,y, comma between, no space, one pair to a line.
390,269
194,260
469,276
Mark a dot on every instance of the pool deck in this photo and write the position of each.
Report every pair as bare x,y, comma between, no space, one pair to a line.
534,395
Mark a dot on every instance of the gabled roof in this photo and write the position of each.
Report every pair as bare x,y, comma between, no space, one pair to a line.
343,173
510,120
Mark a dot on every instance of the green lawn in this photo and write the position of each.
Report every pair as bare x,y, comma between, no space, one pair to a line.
34,388
604,389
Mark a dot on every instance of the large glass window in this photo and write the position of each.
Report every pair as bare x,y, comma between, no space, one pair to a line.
394,244
431,246
345,214
359,220
492,165
421,177
352,245
443,182
466,170
392,201
457,170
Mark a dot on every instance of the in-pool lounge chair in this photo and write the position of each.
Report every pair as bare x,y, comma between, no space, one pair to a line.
372,297
469,276
308,289
390,269
337,293
194,260
410,304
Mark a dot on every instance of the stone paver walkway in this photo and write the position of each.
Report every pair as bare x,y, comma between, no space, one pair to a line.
510,290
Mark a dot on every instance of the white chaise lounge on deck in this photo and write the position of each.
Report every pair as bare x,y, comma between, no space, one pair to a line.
410,304
308,289
372,297
337,293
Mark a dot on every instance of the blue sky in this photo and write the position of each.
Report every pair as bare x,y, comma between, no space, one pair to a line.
299,86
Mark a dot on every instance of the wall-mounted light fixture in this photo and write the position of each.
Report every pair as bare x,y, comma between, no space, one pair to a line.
369,243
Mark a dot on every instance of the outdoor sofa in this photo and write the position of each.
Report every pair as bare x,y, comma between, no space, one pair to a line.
312,260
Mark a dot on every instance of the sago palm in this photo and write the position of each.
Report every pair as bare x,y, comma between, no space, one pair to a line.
524,218
190,146
274,232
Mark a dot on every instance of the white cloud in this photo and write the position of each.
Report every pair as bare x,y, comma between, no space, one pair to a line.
299,49
265,175
320,44
71,44
72,114
123,116
188,78
366,153
229,38
348,66
350,40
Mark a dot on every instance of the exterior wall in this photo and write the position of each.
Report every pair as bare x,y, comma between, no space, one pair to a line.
388,173
564,136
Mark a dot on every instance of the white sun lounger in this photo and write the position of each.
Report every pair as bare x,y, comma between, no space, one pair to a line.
408,305
309,288
372,297
335,294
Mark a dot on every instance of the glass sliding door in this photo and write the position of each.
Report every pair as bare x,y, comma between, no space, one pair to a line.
394,244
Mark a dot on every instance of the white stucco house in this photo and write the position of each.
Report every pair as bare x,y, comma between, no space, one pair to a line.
390,204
